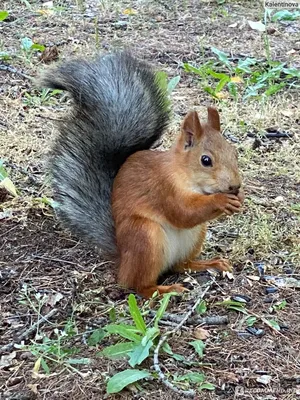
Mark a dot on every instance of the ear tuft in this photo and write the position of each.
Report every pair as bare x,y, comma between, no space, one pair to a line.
191,129
213,118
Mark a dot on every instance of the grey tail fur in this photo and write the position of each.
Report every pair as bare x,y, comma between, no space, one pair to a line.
119,108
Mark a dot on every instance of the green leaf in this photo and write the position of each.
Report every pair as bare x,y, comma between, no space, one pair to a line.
125,378
26,43
285,15
167,349
238,308
221,84
210,91
193,377
78,361
118,350
201,308
292,72
3,15
96,337
244,65
172,84
207,386
190,68
163,306
36,46
136,314
272,323
3,173
251,321
112,315
178,357
218,75
199,346
151,333
222,57
4,55
140,353
126,331
45,366
274,88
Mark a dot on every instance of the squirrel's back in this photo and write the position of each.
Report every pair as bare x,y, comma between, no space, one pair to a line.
119,108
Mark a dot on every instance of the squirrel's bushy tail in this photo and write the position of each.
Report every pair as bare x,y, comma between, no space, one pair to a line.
119,108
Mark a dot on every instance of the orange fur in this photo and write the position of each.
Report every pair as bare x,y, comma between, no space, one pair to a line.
161,202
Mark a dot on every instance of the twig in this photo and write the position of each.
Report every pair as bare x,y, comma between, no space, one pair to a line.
214,320
163,338
13,70
29,331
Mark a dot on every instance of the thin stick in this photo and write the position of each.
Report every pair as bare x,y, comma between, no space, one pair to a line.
29,331
213,320
163,338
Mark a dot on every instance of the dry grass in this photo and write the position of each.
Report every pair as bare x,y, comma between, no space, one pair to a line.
35,251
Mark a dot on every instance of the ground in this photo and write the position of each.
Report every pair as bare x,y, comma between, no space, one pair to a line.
43,269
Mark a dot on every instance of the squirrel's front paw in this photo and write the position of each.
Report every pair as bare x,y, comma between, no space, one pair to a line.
227,203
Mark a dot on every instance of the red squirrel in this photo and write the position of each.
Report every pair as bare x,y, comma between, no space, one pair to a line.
148,210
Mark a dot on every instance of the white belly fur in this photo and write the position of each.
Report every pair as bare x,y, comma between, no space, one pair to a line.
179,243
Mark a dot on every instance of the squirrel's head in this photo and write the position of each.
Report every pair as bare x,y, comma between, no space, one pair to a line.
211,160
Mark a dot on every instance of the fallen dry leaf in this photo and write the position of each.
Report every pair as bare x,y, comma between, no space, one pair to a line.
201,333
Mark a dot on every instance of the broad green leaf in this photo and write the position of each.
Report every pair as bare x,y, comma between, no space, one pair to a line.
112,315
78,361
140,353
151,333
125,378
3,15
207,386
201,307
251,321
238,308
199,346
285,15
136,314
96,337
167,349
244,65
26,43
118,350
126,331
272,323
163,306
194,377
173,83
36,46
222,57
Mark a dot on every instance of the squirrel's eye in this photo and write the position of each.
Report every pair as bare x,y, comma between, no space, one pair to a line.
206,161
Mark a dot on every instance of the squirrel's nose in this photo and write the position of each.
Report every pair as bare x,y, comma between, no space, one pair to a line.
234,189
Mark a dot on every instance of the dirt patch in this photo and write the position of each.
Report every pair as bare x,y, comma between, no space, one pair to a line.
43,268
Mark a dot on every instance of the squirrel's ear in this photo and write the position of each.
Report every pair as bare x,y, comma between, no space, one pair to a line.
191,130
213,118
